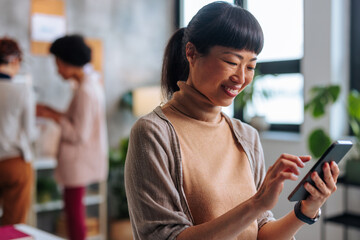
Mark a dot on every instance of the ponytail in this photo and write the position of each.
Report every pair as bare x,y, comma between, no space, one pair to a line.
216,24
175,66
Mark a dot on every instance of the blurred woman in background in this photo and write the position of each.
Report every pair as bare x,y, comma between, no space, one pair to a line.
17,131
83,148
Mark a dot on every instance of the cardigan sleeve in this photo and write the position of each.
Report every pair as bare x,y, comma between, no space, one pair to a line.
77,123
260,172
155,207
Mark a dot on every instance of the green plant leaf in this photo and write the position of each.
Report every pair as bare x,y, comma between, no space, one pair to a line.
318,142
355,126
318,109
354,105
334,91
321,97
116,182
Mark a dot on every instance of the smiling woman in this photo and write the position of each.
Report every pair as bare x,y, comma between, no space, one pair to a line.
191,171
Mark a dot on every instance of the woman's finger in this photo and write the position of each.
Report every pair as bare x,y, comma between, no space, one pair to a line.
334,170
298,160
288,163
320,184
305,159
312,190
329,177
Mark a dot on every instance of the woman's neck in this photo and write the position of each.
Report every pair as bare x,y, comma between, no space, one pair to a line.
79,75
194,104
8,70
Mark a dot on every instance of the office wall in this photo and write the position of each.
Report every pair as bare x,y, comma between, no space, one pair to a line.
134,35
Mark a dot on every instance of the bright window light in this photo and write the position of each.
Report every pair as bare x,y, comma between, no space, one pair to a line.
189,8
282,22
284,104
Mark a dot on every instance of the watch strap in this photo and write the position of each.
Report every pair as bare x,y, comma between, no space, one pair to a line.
302,217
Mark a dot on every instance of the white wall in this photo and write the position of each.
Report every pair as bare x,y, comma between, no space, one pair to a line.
326,61
134,35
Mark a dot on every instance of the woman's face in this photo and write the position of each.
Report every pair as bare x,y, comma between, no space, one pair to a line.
221,74
64,69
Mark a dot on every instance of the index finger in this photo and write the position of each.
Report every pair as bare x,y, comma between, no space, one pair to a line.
305,158
288,163
298,160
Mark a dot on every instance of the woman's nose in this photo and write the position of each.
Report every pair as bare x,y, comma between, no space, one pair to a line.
239,76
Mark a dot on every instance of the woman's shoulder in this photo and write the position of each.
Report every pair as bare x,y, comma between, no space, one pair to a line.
15,89
244,129
247,135
155,121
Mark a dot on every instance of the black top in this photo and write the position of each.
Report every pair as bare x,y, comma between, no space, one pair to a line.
4,76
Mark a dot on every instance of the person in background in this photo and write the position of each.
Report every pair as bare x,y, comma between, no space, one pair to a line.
17,132
194,173
83,147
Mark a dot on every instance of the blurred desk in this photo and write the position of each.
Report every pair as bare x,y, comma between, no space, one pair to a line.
36,233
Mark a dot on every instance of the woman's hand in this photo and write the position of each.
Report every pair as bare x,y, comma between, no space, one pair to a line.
285,167
322,191
47,112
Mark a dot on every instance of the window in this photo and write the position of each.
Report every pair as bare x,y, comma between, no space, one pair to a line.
355,45
279,62
188,8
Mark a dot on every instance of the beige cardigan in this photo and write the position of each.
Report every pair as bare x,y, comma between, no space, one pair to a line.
153,176
83,146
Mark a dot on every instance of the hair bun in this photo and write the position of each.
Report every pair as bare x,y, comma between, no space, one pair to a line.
71,49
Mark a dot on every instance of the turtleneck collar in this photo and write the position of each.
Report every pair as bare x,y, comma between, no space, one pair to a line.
194,104
5,76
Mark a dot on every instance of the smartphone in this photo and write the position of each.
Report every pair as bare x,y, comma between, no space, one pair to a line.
335,152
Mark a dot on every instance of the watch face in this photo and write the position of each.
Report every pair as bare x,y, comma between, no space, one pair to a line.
318,215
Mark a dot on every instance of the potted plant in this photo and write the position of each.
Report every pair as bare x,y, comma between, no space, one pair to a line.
120,228
319,140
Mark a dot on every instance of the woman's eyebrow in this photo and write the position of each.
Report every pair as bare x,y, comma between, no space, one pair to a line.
239,56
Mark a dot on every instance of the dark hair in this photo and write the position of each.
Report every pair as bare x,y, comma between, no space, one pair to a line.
71,49
216,24
9,47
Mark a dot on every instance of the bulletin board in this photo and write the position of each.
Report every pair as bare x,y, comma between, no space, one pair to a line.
97,51
51,15
54,10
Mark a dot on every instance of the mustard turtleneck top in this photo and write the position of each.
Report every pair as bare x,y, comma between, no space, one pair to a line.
216,171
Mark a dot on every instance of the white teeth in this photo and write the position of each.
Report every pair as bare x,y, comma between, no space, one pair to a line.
233,91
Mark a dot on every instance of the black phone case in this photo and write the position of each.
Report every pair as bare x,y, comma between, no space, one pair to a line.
335,152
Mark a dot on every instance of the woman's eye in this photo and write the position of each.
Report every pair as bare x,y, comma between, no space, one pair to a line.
231,63
251,68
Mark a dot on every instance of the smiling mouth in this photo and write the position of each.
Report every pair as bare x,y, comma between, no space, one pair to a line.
232,90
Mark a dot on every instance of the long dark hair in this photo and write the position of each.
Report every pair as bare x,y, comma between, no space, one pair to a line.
216,24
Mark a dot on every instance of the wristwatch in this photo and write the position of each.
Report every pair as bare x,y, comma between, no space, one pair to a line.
302,217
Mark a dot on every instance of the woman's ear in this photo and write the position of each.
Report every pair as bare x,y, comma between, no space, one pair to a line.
191,53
